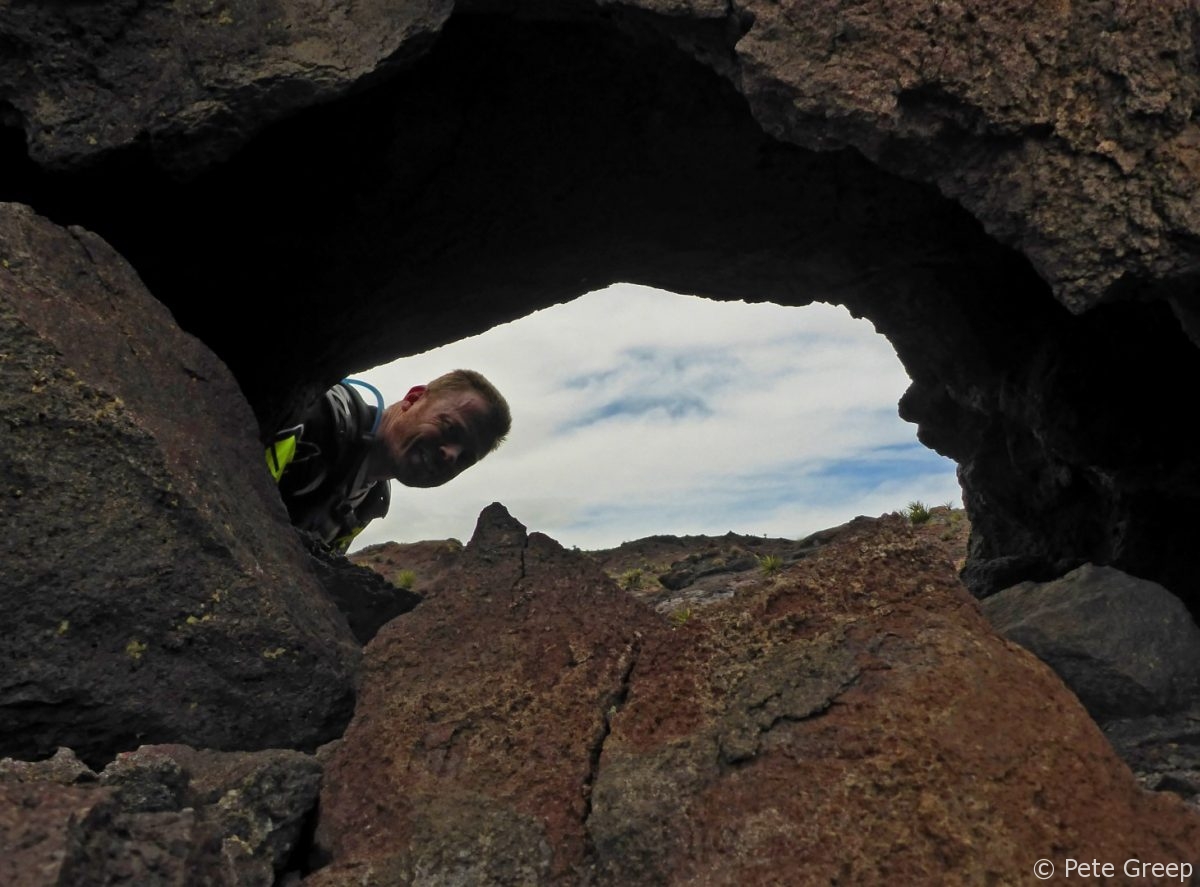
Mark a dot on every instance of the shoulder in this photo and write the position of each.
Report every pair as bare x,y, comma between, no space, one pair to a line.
336,416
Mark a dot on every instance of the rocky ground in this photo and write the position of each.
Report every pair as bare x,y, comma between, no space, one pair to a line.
680,575
784,711
726,711
1008,193
675,574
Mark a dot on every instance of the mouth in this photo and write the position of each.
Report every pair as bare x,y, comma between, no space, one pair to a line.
424,467
421,460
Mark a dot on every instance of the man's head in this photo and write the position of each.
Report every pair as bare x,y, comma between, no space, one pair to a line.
439,430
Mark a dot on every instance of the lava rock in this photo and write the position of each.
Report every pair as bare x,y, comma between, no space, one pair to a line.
1125,646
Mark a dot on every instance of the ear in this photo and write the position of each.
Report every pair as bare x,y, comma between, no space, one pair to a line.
414,394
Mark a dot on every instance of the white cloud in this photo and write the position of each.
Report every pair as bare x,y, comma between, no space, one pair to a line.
638,412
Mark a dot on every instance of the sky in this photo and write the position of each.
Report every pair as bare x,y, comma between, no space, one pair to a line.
639,412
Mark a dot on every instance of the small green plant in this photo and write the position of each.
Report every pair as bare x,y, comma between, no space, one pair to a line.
681,616
630,579
770,564
917,512
405,579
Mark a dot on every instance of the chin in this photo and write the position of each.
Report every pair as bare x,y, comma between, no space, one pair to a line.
422,482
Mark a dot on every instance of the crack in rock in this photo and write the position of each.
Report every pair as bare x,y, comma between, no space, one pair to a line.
612,706
788,685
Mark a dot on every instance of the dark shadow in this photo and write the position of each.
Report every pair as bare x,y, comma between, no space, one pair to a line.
524,162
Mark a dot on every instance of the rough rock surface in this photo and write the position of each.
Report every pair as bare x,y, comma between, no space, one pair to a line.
1008,191
1126,647
194,78
849,717
1163,750
676,573
162,815
151,585
483,712
1035,113
367,599
415,566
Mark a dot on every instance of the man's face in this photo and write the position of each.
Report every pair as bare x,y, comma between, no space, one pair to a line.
437,438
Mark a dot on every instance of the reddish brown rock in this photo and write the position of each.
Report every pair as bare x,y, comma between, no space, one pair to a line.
35,828
482,715
415,566
161,815
946,753
851,717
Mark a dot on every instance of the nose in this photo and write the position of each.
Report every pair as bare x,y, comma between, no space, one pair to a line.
449,453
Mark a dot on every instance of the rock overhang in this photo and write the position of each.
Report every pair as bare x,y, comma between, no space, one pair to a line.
517,155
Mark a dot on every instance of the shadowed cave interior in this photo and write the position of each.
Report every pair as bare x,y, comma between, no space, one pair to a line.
521,163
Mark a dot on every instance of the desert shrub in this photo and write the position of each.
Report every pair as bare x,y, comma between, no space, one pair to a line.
405,579
770,564
917,512
680,616
630,579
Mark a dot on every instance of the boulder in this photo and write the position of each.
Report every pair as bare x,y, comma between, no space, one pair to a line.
850,717
1125,646
161,815
364,597
155,68
1163,750
481,719
152,587
258,803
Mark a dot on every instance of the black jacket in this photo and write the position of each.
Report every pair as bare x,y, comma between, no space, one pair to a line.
323,485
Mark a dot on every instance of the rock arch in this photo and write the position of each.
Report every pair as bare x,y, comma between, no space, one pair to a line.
1012,207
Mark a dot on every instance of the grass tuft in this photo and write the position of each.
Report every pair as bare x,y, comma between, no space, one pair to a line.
917,512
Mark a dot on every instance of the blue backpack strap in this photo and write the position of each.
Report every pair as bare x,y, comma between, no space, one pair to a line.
378,400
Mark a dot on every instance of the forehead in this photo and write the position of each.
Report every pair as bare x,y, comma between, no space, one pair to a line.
466,405
465,408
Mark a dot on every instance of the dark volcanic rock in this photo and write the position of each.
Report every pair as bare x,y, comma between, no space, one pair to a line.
851,717
163,815
1125,646
152,587
678,572
155,68
1163,750
711,563
1008,192
366,599
1079,122
675,574
257,802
